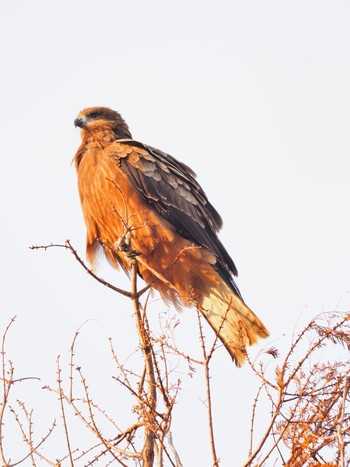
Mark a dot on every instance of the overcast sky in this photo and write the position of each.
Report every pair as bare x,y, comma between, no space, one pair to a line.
254,96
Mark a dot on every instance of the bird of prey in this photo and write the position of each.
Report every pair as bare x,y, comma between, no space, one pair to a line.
138,199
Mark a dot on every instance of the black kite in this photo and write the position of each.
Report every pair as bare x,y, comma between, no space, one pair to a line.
137,198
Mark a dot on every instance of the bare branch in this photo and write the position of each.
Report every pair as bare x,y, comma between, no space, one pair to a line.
148,449
61,399
68,246
206,358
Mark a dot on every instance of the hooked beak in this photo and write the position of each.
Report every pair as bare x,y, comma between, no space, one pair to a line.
80,122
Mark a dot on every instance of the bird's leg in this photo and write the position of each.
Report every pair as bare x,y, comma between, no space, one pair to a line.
124,245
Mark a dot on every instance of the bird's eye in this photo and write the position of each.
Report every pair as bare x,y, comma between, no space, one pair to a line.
94,114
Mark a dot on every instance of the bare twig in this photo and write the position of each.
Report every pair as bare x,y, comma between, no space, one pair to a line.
61,399
33,449
68,246
308,406
148,449
340,424
174,451
252,423
206,358
7,382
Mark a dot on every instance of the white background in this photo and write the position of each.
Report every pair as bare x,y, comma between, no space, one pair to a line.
255,97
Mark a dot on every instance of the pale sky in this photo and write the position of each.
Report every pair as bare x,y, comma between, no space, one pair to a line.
255,97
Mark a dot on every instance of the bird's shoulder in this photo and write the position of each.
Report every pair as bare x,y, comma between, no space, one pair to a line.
159,175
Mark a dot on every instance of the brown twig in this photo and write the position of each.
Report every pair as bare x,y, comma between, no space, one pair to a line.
308,407
252,423
206,359
68,246
63,414
6,386
108,445
148,449
33,449
340,423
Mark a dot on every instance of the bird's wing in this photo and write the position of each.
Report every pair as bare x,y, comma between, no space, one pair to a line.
170,187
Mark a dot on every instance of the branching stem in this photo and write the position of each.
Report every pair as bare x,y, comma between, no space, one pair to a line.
150,411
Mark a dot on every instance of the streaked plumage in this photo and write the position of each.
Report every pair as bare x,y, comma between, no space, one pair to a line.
135,197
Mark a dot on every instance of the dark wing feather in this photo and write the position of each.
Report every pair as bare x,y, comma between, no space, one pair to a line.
172,190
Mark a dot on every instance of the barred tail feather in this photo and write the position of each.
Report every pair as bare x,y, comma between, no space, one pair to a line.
235,324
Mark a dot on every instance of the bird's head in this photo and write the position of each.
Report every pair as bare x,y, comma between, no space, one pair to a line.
96,119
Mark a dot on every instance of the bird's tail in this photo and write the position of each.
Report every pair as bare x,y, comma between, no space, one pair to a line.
233,322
